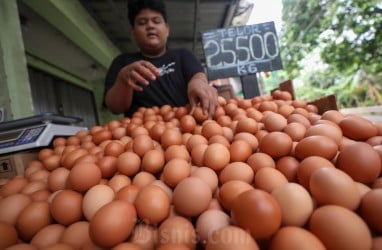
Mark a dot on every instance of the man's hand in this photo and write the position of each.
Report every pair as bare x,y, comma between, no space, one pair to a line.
139,72
199,92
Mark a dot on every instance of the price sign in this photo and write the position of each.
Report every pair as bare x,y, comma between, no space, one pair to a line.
241,50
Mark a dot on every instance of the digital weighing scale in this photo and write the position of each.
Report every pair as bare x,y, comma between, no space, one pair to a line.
20,137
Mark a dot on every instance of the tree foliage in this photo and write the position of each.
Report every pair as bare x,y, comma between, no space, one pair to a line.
346,35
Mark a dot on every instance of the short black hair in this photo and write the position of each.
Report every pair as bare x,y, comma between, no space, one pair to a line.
135,6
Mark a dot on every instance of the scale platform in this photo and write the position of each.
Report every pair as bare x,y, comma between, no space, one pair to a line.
35,131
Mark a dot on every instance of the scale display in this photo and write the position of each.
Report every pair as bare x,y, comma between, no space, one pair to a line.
35,132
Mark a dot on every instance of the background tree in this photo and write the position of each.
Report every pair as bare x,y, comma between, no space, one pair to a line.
334,47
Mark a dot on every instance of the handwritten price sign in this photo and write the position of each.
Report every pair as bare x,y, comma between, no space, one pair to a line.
241,50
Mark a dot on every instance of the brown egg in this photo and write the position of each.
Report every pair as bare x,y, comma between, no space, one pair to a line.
250,138
156,131
33,217
292,237
45,152
175,171
340,228
267,179
112,224
357,128
240,150
230,190
308,166
288,165
13,186
73,140
118,133
377,183
118,181
127,193
126,245
114,148
34,186
95,198
32,166
128,163
142,143
11,207
295,130
285,110
48,235
191,196
164,187
237,239
108,166
376,243
39,175
259,160
329,130
209,222
371,205
176,151
101,136
258,212
66,207
224,120
360,161
59,141
207,175
52,162
171,136
145,236
83,176
276,144
295,202
274,122
247,125
299,119
197,154
143,179
219,139
211,128
333,186
69,159
316,145
76,235
8,236
152,204
194,140
216,156
236,171
177,230
40,195
153,161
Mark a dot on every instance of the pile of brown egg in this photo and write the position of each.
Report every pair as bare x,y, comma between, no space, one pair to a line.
264,173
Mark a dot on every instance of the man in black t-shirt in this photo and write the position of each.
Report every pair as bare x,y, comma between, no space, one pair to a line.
155,75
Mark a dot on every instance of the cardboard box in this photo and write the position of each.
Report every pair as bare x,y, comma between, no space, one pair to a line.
12,165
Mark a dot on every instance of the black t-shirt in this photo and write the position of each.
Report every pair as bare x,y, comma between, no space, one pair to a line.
176,66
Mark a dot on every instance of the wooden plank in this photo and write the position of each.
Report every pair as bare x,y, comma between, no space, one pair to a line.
325,103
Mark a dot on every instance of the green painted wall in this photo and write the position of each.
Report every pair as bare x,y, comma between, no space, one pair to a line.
15,97
70,18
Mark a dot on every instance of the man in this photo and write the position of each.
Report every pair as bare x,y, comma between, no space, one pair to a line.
155,75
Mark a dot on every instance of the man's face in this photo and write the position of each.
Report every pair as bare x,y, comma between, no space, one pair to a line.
150,32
